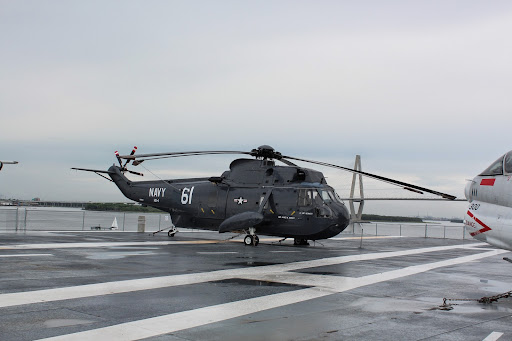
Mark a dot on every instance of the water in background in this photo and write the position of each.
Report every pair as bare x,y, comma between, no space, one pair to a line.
73,219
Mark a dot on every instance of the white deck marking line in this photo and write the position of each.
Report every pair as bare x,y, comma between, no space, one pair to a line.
339,283
198,317
193,318
116,287
101,244
28,255
493,336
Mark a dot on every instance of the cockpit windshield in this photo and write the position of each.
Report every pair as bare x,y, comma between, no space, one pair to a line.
496,168
329,196
309,196
508,162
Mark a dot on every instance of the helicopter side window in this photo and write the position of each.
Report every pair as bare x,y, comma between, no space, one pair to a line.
317,198
496,168
508,163
305,197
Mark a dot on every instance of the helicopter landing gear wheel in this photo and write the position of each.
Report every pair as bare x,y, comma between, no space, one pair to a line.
252,238
172,231
248,240
300,241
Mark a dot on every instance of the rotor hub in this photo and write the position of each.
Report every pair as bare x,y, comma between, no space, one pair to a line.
266,152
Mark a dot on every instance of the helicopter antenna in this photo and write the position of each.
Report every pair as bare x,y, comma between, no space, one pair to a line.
164,181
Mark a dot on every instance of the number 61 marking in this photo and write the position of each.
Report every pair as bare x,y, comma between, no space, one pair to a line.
186,195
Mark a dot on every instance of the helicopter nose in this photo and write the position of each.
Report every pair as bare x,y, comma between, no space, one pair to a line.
343,217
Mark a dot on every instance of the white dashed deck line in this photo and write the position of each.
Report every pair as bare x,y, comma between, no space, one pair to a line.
493,336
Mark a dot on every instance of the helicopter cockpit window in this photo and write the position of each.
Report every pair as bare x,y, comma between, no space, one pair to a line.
325,196
328,196
508,163
496,168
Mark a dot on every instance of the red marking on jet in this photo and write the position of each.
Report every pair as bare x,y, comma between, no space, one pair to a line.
484,229
487,182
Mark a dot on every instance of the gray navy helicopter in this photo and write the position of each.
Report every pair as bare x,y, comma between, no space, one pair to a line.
254,196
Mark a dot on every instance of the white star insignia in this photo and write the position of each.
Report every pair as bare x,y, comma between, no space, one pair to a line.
240,200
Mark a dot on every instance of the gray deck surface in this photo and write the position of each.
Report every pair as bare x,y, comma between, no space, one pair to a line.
195,286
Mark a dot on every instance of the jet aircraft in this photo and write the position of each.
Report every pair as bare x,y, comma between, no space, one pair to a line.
489,215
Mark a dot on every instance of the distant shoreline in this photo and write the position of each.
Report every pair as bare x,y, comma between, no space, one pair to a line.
120,207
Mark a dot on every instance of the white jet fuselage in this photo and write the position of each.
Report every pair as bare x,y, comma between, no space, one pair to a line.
489,215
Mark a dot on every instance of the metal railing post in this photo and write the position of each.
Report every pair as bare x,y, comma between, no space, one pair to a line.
376,229
400,230
444,234
124,219
17,219
425,230
83,221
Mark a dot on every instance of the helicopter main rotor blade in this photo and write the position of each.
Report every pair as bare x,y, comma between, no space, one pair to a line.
92,170
142,157
407,186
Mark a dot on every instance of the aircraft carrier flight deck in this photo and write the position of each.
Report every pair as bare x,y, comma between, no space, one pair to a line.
107,285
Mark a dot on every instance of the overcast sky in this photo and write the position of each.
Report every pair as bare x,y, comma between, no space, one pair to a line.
420,89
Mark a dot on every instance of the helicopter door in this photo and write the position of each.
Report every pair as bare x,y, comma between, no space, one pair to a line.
283,202
213,203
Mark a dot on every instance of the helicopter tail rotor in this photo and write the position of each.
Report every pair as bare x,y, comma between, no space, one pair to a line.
133,152
118,159
123,167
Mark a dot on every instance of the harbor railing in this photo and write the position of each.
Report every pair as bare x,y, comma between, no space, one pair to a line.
55,219
430,229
